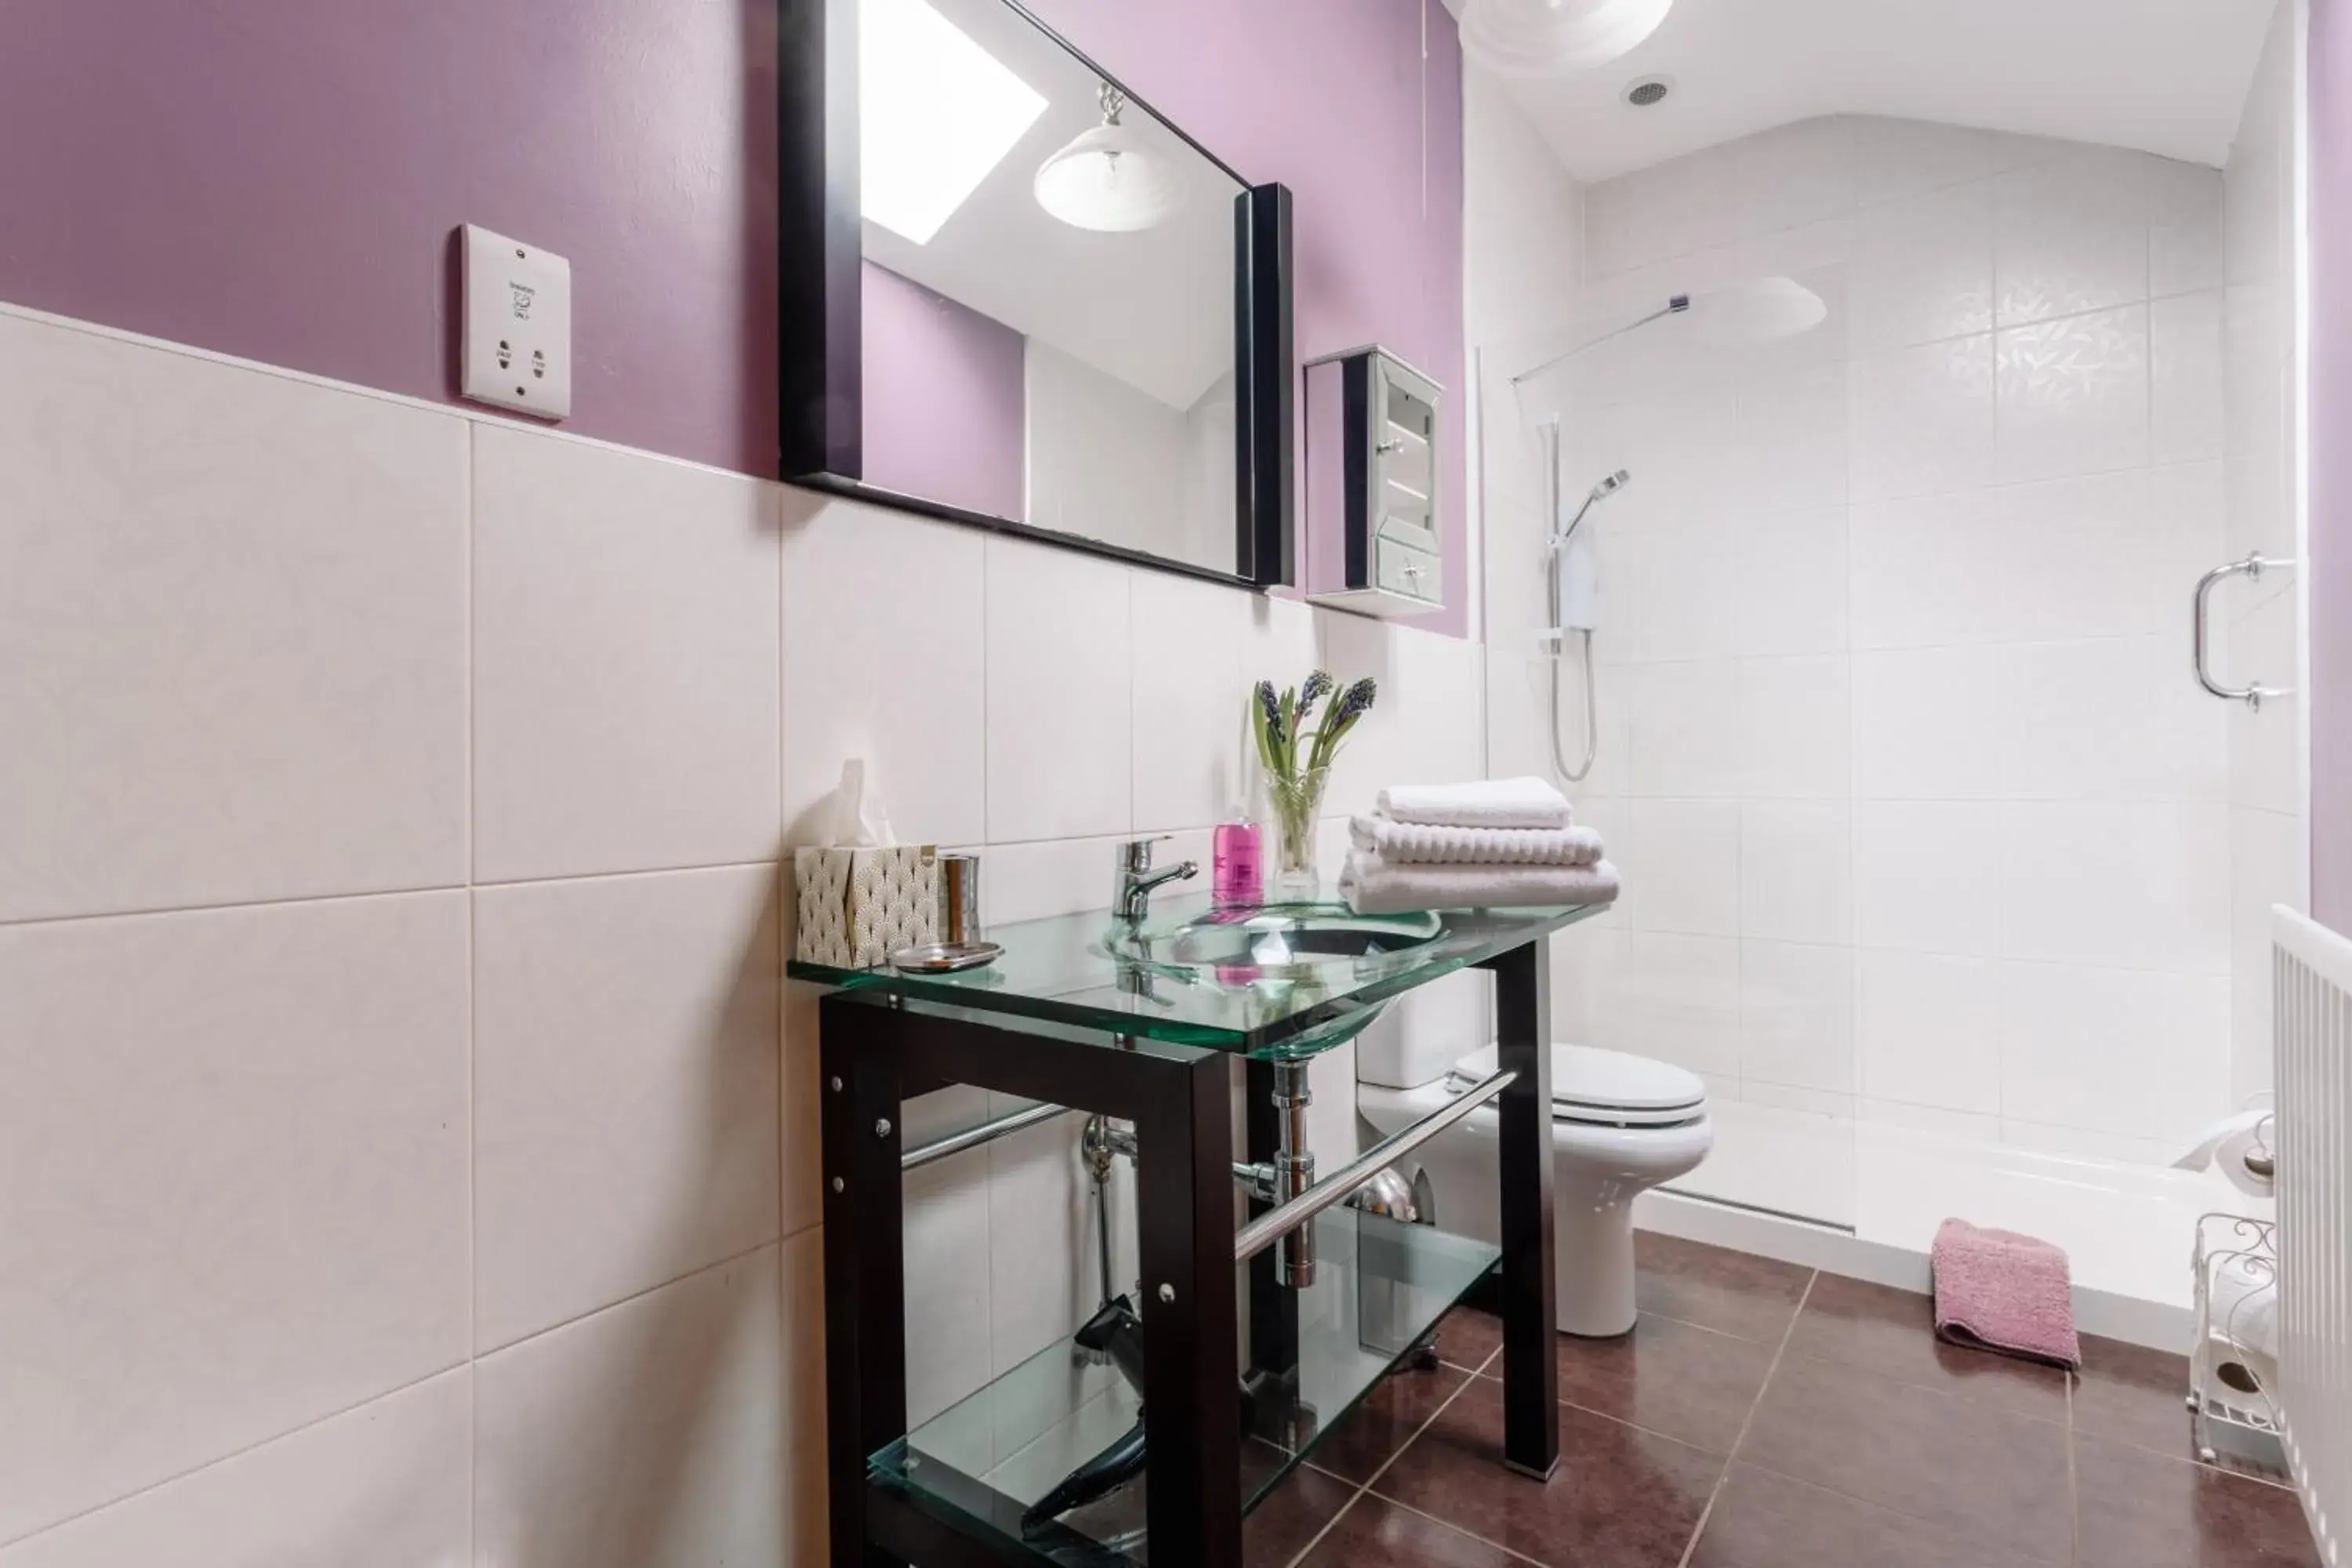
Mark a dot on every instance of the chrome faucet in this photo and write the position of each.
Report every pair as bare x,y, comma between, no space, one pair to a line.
1131,892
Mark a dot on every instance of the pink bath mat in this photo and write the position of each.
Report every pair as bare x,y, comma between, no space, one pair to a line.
1998,1291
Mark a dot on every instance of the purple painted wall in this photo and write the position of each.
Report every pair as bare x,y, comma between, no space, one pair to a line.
2331,463
946,403
280,180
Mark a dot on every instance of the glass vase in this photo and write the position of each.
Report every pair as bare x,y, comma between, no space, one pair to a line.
1297,812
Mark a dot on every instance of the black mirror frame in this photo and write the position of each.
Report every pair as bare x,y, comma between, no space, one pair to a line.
820,416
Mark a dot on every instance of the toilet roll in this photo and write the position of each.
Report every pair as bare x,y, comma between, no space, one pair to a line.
2243,1302
2226,1143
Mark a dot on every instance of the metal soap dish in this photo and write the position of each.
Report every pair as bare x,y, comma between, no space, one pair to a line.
946,957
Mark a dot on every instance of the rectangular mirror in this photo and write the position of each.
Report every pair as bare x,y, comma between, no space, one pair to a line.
1014,296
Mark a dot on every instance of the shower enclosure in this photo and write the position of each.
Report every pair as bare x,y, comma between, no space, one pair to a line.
1940,866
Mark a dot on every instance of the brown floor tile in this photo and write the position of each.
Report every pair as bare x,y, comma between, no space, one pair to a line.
1621,1497
1384,1421
2140,1510
1893,1333
1716,1288
1375,1533
2134,1395
1688,1383
1469,1338
1280,1528
1965,1465
1764,1521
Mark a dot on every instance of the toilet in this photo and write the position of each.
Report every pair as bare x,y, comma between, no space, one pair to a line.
1620,1125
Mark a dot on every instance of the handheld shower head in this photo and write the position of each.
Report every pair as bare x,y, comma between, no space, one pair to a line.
1608,486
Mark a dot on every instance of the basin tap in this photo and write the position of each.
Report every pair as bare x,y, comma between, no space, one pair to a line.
1135,878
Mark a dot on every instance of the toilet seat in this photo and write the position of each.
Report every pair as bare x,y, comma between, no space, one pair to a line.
1596,1088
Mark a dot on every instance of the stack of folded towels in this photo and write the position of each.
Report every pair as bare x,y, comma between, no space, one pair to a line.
1493,844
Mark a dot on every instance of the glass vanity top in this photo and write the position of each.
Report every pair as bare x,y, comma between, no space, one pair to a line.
1277,979
1380,1285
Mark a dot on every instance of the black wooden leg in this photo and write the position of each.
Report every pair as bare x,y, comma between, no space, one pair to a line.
865,1278
1530,1346
1191,1399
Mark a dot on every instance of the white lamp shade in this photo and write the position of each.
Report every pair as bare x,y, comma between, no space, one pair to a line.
1110,179
1546,38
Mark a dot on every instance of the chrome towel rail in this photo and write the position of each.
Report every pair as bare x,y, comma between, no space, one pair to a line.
2252,568
986,1132
1340,1185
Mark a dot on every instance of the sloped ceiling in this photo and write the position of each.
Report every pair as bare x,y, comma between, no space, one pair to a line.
2163,76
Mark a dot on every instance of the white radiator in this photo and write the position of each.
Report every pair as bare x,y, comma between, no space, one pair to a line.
2311,993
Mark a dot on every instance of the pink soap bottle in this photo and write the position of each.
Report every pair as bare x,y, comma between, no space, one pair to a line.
1237,858
1237,874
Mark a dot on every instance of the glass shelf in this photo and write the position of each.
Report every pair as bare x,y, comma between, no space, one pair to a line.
1323,976
1380,1286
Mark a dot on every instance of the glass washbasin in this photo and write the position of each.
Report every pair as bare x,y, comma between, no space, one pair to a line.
1295,943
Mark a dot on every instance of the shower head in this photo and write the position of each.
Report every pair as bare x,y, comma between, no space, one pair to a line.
1753,310
1610,485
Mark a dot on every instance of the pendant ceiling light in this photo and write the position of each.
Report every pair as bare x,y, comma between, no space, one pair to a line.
1547,38
1110,178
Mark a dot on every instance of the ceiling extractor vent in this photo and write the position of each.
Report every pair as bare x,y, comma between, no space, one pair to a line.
1647,90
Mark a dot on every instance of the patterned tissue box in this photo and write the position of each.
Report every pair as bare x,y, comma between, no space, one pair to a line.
858,907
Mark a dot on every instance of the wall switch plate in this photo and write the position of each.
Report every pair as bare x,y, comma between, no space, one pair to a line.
516,348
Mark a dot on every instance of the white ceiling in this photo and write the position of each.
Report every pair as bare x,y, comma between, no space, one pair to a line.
2163,76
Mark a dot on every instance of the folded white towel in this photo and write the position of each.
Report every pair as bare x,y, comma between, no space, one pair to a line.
1481,802
1373,887
1415,843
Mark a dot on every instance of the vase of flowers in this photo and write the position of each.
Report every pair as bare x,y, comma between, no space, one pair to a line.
1296,750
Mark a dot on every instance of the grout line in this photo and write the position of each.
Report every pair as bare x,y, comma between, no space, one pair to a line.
712,1266
478,416
469,1362
472,638
1444,1405
1317,1539
463,1364
473,1052
1700,1529
231,904
299,899
1663,1317
1407,1508
770,863
1365,1488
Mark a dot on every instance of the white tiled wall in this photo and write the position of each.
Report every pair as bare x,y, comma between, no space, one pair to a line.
2261,401
392,1168
398,1163
1917,808
1113,704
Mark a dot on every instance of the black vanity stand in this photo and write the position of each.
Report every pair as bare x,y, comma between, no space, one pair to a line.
878,1053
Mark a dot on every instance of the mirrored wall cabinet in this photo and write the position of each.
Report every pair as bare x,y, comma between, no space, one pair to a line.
1014,296
1371,481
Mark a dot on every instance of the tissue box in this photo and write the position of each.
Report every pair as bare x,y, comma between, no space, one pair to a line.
858,907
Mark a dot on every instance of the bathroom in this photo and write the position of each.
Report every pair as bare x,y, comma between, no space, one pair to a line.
412,1149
